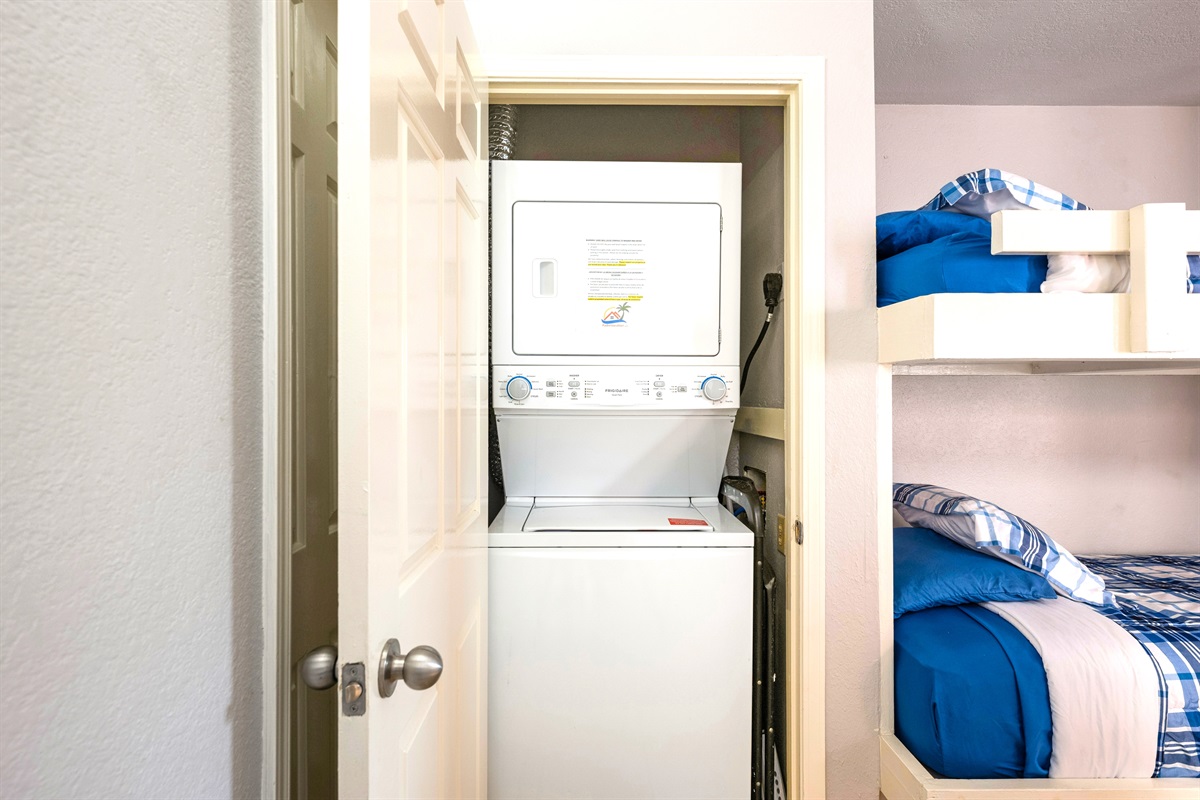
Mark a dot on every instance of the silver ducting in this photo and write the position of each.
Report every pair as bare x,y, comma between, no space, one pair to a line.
502,132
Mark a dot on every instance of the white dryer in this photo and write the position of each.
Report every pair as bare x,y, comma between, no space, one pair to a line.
620,592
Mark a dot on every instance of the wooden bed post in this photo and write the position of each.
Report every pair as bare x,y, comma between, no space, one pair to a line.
1157,248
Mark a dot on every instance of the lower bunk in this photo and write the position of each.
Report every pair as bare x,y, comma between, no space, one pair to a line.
1008,686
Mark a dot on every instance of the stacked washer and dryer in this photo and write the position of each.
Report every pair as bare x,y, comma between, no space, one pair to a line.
621,629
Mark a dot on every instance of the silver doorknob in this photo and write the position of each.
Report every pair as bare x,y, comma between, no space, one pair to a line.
318,668
420,668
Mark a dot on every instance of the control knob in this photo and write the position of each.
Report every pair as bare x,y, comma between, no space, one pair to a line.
713,388
518,388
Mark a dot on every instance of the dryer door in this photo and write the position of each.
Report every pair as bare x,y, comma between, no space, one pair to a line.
616,278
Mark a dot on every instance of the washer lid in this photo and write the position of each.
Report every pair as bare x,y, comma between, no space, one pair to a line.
510,528
633,517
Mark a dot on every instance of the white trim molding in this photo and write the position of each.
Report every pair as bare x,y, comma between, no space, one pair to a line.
275,125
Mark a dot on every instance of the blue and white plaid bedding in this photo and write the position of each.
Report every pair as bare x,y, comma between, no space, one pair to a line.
985,181
1158,603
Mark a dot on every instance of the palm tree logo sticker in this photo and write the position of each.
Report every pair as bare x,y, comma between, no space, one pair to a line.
615,315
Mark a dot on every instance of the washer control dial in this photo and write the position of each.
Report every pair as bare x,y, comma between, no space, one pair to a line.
518,388
713,388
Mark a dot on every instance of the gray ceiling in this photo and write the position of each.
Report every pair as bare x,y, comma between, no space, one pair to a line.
1038,52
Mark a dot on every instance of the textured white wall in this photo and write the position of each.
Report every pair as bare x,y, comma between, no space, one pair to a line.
1106,157
130,612
841,31
1107,464
1038,52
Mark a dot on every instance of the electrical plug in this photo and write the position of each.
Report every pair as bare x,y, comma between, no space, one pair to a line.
772,289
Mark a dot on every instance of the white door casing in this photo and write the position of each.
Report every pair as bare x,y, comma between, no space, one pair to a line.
412,363
310,388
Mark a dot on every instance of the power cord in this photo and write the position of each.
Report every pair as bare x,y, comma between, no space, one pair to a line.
772,289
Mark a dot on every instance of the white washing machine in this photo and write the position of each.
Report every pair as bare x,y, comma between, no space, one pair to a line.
620,592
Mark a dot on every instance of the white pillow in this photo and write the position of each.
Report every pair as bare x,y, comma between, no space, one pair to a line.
1098,272
1095,272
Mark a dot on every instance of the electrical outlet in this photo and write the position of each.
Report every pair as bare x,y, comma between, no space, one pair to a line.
781,534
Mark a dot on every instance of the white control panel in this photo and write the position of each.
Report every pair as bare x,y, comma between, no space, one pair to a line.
555,387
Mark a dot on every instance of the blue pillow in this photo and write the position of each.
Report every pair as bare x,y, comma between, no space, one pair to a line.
961,262
986,527
898,231
930,570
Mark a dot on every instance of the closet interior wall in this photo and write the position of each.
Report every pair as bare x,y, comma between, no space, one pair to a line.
752,136
761,140
1106,464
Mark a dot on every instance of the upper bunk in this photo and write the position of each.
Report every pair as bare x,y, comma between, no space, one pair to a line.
1153,328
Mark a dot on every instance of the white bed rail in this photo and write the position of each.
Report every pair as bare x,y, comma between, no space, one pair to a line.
1157,236
903,777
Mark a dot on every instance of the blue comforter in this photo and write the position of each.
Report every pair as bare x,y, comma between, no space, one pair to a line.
971,696
929,252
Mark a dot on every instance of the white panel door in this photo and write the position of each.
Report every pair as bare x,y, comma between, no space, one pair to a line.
411,352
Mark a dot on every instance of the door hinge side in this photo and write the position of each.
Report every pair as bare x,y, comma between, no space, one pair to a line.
799,527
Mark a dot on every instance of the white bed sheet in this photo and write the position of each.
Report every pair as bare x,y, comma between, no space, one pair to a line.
1104,689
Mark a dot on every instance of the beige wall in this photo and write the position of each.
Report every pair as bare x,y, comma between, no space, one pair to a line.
842,32
1102,464
1106,156
1105,464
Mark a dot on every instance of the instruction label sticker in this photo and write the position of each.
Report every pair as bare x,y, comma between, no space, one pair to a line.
616,270
682,521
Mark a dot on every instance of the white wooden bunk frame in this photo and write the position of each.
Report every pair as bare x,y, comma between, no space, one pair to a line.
1154,329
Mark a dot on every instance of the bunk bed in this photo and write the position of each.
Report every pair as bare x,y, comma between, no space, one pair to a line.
1154,328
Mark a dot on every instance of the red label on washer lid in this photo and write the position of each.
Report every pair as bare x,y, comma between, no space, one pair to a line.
680,521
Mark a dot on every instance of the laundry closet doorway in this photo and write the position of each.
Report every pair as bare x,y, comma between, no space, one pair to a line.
777,102
442,115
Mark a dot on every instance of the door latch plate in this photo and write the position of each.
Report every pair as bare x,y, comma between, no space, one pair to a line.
354,695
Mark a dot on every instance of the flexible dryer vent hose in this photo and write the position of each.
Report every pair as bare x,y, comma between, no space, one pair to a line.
502,135
502,131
